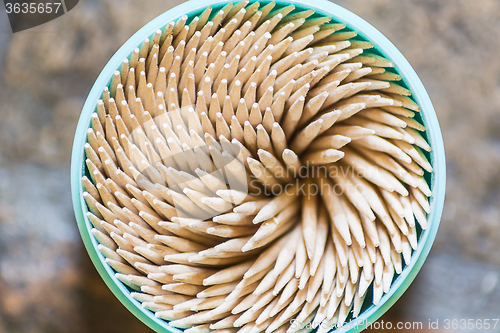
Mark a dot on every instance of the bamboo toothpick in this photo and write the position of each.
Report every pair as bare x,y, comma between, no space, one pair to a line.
256,159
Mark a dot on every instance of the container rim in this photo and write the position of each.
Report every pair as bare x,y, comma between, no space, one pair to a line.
381,43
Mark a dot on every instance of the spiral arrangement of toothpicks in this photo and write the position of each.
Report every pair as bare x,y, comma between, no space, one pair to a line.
256,168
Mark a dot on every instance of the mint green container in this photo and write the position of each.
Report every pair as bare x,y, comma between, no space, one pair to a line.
437,179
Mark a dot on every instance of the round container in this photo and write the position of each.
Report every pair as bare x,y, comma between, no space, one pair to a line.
437,179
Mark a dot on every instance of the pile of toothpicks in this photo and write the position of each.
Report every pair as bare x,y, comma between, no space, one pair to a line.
256,168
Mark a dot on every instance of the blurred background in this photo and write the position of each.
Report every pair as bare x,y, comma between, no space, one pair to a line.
47,282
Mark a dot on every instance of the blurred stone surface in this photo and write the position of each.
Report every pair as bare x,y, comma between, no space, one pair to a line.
47,282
